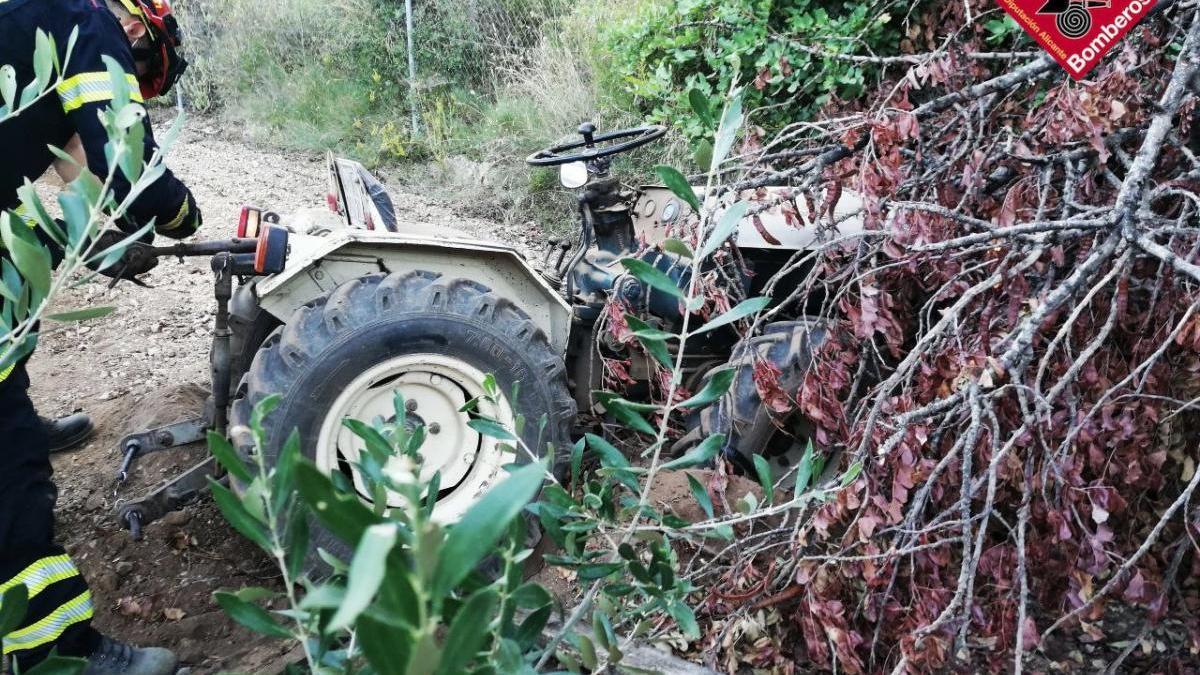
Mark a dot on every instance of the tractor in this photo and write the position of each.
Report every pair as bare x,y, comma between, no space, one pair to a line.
338,312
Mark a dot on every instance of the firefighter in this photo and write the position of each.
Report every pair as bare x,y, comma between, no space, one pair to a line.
142,37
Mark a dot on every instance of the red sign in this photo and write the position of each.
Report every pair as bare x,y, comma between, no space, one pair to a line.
1077,33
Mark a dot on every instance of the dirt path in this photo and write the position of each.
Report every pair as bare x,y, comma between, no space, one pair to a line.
145,365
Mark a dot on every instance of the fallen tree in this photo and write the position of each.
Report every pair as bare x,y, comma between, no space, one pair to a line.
1026,297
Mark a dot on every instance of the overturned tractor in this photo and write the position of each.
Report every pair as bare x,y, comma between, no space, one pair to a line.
339,313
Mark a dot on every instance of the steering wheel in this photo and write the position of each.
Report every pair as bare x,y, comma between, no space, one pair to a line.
596,146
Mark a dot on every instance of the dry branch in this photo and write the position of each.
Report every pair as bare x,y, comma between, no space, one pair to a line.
1026,294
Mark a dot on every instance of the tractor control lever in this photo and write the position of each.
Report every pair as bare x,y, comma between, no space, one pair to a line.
204,248
564,247
588,131
263,255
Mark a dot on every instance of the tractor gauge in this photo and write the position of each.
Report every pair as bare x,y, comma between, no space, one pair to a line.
670,211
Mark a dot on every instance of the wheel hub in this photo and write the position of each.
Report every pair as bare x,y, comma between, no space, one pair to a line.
434,388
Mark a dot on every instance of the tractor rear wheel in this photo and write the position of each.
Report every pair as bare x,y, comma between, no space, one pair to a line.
433,340
750,427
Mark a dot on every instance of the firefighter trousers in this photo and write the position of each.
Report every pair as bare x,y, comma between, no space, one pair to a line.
60,607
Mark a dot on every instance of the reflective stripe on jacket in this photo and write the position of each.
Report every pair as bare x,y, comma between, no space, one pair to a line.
85,90
45,575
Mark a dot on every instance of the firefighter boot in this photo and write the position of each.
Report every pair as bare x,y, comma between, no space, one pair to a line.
118,658
68,432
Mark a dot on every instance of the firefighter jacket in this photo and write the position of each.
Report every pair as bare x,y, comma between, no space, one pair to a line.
73,107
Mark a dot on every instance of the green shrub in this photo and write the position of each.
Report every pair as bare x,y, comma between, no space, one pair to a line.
499,78
304,74
670,47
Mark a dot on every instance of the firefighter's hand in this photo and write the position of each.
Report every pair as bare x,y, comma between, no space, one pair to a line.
134,260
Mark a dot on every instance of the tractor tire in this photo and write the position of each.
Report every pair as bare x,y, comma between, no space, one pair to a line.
750,427
430,337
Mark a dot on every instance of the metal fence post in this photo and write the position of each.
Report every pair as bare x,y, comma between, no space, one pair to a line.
412,67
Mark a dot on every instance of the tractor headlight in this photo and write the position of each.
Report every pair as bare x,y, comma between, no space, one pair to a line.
670,211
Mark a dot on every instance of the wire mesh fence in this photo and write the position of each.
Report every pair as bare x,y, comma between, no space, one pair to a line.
479,45
476,46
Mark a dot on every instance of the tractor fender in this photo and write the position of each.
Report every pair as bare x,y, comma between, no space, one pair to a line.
318,264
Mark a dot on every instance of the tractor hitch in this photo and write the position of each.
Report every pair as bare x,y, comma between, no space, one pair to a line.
162,438
237,257
180,491
134,514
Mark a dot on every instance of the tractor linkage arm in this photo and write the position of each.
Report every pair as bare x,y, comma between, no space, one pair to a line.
241,257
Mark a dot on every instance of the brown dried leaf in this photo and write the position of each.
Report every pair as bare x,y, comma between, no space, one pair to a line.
127,606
